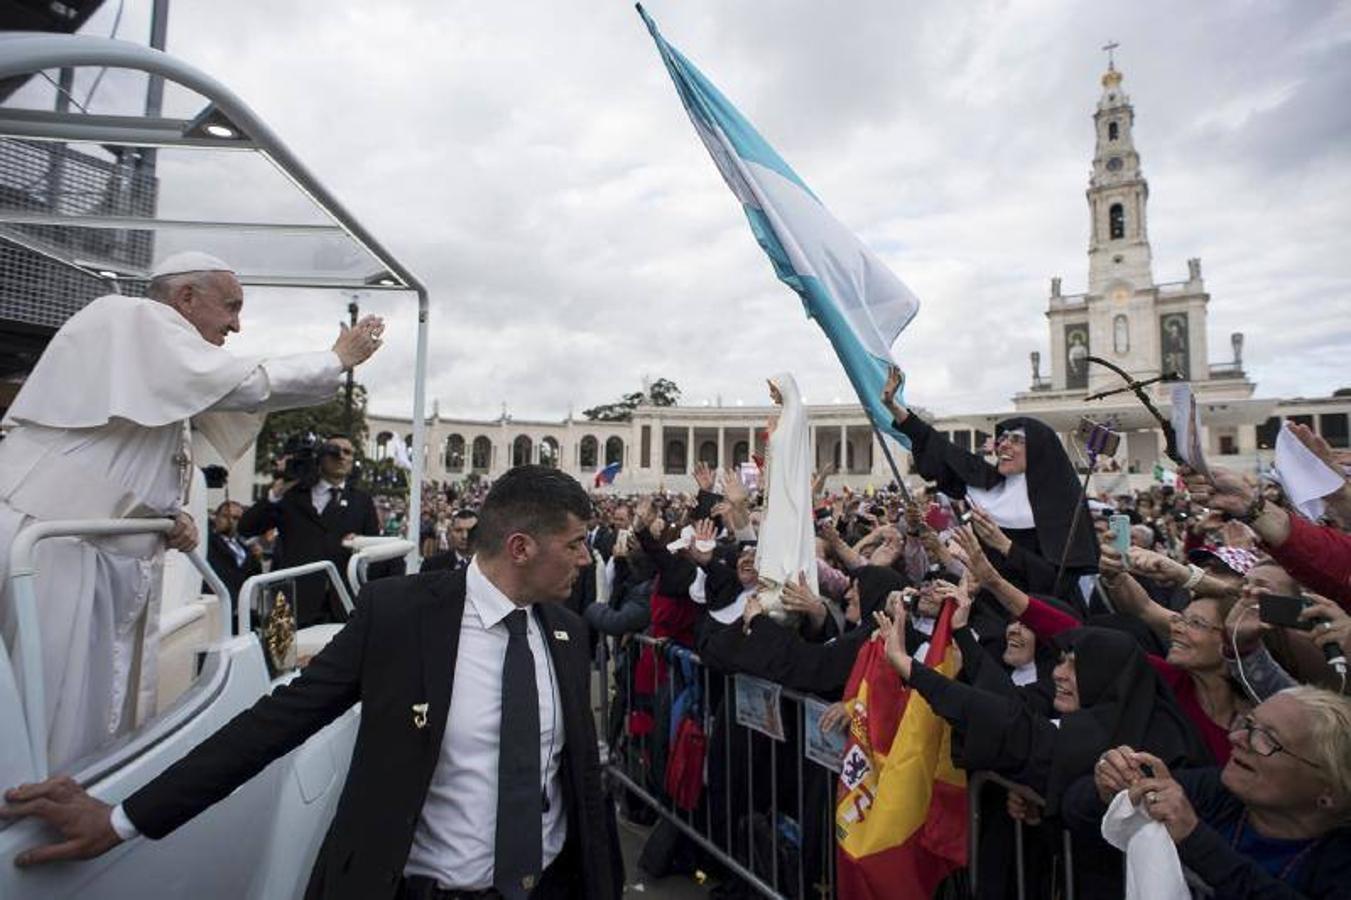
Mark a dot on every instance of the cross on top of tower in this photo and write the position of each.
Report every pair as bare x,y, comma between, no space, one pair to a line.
1111,78
1111,59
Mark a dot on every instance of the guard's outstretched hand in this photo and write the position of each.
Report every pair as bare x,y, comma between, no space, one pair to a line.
84,822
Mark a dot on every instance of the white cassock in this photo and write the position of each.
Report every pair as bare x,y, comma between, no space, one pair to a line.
100,430
787,539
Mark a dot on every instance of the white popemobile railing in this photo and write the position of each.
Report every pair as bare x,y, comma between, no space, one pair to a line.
368,549
248,591
28,638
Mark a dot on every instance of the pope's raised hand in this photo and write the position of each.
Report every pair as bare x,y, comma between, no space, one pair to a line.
356,344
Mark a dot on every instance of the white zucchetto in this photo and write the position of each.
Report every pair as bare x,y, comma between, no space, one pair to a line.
189,261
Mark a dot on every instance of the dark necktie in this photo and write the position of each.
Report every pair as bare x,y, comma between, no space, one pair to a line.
519,846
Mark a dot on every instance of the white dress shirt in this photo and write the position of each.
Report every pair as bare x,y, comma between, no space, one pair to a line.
322,492
455,835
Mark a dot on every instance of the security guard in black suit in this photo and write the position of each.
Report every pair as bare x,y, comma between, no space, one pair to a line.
411,645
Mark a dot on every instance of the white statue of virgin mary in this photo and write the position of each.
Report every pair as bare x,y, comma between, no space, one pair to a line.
787,539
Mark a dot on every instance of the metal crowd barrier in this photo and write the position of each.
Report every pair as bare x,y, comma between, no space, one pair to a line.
630,765
976,782
637,767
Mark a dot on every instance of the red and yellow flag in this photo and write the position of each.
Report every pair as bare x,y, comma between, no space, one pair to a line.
900,823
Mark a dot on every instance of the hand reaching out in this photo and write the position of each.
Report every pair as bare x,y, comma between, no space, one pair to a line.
1157,566
835,718
982,570
732,488
798,597
1317,445
819,478
960,595
890,549
892,634
1225,490
705,532
895,381
704,476
989,532
1334,625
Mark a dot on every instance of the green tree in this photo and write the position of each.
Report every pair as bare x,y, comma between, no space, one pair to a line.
662,392
327,418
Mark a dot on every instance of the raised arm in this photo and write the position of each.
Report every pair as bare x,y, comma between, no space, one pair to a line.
1127,594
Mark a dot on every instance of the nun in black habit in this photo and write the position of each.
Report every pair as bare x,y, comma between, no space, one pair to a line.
1115,700
1031,492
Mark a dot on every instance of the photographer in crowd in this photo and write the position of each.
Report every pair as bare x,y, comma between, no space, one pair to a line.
315,509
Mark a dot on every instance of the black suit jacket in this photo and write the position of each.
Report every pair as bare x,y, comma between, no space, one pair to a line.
232,574
448,561
308,536
398,650
604,541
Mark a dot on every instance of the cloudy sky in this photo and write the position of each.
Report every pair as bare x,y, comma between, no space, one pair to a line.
531,162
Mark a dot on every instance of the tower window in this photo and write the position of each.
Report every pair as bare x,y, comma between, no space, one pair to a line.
1116,221
1113,131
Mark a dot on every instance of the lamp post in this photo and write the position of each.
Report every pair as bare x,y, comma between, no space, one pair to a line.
352,311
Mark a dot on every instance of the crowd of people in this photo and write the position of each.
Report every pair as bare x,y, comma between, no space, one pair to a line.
1192,675
1085,671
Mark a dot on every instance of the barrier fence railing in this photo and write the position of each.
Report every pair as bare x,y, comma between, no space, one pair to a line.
758,767
779,855
976,783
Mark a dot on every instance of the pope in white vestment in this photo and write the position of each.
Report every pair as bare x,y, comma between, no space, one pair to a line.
100,429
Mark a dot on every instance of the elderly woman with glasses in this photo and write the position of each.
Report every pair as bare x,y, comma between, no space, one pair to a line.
1274,822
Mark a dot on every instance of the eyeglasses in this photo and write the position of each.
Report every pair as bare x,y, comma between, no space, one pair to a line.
1261,741
1195,624
1011,438
342,451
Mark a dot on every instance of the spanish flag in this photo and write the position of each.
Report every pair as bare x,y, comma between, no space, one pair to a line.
901,820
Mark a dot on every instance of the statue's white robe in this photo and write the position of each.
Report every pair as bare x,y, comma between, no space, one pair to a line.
95,432
787,539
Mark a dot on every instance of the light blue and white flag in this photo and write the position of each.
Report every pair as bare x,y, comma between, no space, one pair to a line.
859,303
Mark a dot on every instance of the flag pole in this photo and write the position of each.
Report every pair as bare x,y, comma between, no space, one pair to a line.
891,461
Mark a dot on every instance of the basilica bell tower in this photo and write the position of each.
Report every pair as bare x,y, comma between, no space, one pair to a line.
1118,245
1124,316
